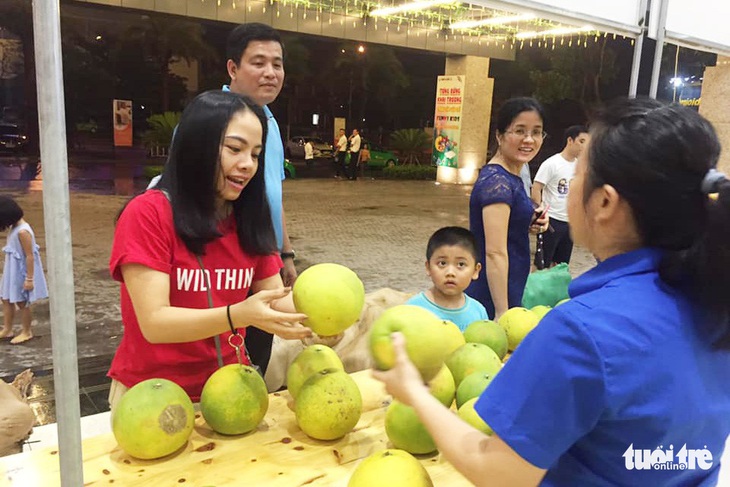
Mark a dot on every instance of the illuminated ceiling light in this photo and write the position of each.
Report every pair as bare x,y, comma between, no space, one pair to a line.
553,32
469,24
409,7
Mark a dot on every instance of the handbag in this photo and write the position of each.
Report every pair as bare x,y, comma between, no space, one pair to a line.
547,287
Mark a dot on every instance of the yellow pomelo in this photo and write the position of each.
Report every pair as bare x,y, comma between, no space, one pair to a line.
153,419
329,405
454,336
540,310
310,361
490,334
468,414
390,468
332,297
405,431
234,399
518,322
443,387
473,357
426,339
472,386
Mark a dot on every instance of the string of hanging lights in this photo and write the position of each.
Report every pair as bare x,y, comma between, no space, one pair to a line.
441,18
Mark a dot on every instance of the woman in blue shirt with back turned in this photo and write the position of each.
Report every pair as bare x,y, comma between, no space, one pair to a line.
628,382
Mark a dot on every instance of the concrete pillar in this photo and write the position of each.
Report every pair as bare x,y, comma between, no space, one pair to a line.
475,115
715,105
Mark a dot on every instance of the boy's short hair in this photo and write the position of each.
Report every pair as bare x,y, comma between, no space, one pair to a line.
452,236
574,131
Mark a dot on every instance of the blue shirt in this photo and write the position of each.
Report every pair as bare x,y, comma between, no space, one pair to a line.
273,173
497,185
464,316
625,365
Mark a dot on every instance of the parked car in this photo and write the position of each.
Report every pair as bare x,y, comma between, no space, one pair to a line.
379,156
295,148
289,170
12,137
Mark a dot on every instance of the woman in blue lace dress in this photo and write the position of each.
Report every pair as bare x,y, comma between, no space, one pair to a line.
22,281
500,211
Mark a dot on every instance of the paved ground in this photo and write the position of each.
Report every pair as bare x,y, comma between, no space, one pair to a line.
377,228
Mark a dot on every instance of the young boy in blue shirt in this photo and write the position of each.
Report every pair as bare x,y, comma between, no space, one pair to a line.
451,263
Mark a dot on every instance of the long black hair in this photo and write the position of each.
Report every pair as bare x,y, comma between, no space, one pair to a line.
10,212
659,158
191,176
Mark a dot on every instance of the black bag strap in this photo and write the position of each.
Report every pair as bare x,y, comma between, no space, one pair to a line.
216,338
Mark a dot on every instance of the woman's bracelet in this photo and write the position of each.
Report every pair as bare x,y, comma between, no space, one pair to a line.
230,322
28,278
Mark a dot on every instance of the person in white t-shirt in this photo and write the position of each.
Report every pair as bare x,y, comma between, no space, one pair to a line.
551,186
341,154
354,154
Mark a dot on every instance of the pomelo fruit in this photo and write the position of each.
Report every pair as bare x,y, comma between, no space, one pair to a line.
490,334
425,335
470,358
540,310
405,431
454,337
329,405
472,386
234,399
390,468
310,361
332,297
518,322
153,419
443,387
469,414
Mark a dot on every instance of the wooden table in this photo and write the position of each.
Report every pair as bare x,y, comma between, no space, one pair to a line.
278,453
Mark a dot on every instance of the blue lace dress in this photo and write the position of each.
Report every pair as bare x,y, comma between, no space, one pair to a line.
14,272
497,185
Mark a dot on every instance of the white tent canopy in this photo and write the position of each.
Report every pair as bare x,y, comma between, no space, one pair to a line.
700,23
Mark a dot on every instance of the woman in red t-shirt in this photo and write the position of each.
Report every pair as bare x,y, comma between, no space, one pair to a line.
189,252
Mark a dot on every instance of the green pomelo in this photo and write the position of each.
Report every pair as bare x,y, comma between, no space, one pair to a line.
443,387
153,419
234,399
489,333
328,405
470,358
540,310
472,386
332,297
469,414
405,431
518,322
426,342
311,360
390,468
454,337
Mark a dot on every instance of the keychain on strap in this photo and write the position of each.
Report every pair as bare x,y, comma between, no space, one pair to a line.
237,342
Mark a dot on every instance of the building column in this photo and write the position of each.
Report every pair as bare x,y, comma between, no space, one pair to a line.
475,115
715,106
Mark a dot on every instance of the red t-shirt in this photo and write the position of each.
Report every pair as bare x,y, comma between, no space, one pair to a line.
145,234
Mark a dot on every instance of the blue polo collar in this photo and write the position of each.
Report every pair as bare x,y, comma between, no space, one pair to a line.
639,261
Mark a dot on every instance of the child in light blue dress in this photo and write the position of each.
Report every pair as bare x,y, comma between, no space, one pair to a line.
23,281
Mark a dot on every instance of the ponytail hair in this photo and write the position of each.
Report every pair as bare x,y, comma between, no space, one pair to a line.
661,159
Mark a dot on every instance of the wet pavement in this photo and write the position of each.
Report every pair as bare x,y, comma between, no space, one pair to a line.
376,227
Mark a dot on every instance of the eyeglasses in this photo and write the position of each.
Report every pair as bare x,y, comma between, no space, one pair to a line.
522,133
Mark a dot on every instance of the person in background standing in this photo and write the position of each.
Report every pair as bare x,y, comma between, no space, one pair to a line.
354,154
552,184
341,156
308,152
255,64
